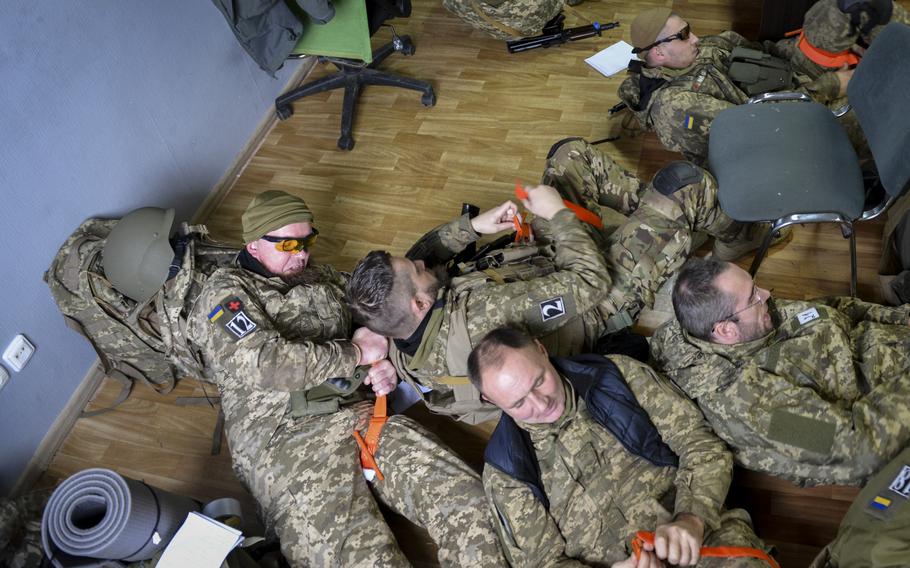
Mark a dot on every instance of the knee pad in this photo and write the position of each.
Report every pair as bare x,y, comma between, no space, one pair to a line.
675,176
876,12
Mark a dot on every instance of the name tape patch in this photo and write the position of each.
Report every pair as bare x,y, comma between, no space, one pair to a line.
809,315
552,309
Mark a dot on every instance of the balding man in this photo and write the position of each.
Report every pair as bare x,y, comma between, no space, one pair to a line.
680,81
591,450
276,337
817,392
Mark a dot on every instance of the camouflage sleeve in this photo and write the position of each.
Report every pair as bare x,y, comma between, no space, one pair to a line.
823,89
544,304
682,119
260,353
738,40
792,431
858,310
445,241
528,534
705,465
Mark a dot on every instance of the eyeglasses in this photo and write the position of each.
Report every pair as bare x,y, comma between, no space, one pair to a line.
293,244
756,300
682,34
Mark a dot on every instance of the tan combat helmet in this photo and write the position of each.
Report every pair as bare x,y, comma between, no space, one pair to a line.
137,254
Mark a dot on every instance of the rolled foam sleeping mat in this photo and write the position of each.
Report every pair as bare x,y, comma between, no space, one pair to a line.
99,514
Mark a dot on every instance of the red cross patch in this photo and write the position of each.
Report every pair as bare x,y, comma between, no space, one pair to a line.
234,305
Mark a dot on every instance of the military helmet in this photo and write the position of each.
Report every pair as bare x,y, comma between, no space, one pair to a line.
137,254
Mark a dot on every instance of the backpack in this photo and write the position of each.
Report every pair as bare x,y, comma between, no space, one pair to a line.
135,342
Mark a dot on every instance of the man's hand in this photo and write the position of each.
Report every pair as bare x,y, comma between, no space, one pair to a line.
647,560
844,74
382,377
495,220
679,542
543,201
373,347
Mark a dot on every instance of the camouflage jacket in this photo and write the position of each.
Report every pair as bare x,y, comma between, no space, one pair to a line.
823,399
599,493
264,338
681,109
506,19
560,307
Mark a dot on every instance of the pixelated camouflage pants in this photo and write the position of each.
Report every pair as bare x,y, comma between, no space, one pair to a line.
325,513
20,530
735,530
656,239
508,19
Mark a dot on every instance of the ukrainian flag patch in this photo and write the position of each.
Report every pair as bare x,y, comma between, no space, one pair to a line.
689,122
215,314
880,503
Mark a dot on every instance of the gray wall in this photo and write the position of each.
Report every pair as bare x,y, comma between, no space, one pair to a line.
105,106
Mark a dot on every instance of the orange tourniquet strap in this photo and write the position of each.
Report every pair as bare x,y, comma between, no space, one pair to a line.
826,58
642,537
584,215
374,430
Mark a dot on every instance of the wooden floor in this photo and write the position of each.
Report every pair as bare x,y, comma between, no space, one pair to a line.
412,167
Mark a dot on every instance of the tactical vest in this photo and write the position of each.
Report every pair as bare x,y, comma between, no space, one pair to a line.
756,72
144,342
499,266
609,400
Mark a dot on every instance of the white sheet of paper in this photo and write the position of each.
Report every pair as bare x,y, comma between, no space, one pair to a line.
613,59
201,542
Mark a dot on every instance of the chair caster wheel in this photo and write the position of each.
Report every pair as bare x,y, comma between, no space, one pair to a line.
408,49
346,142
284,112
428,99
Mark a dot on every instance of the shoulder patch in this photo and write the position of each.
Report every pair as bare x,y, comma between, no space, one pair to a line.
809,315
552,309
677,175
809,434
230,316
901,482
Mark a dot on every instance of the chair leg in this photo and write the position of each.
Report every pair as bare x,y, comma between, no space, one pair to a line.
852,263
374,77
763,250
348,108
283,103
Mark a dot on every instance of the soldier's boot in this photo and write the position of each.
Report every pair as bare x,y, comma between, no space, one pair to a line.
749,239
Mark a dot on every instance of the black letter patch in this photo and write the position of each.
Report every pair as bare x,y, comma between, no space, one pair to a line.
552,309
231,317
240,325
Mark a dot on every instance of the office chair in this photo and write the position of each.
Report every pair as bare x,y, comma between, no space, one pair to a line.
791,162
355,61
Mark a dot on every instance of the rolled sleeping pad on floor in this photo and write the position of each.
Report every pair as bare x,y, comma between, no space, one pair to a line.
97,514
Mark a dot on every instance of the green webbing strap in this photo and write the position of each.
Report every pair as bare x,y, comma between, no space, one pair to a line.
327,397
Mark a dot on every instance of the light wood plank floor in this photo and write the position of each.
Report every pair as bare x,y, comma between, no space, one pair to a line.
412,167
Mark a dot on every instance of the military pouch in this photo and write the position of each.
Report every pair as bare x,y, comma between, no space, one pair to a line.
756,72
328,397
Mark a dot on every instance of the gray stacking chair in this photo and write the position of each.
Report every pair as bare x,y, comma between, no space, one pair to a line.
785,159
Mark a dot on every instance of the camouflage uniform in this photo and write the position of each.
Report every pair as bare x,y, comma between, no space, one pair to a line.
20,530
305,472
600,494
599,287
876,530
825,401
506,19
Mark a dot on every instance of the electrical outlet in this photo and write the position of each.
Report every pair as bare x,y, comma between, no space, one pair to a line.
4,377
18,352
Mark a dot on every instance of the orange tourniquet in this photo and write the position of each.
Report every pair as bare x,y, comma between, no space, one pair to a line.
642,537
368,446
583,214
822,57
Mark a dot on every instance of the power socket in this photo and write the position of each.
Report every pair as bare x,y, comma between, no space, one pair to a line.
18,352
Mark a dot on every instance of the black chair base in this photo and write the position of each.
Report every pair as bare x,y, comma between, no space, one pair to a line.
353,75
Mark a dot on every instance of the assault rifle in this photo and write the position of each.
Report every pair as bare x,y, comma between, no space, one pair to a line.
554,33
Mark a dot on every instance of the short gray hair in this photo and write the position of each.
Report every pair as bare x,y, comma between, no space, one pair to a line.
697,301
